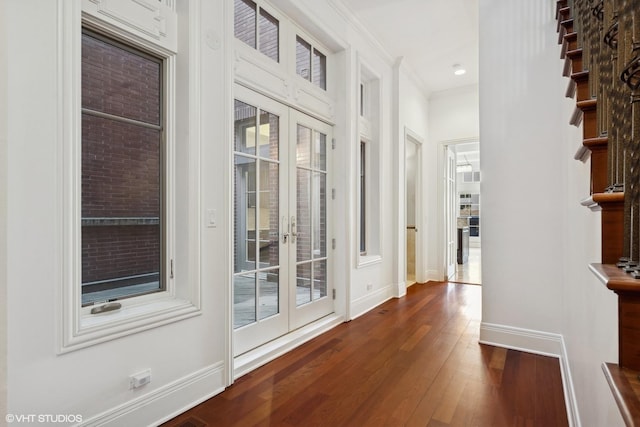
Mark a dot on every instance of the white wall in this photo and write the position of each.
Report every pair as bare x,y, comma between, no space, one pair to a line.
3,211
412,119
521,119
186,356
453,117
537,239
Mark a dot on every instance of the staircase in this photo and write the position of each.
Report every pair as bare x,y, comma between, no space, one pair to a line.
600,42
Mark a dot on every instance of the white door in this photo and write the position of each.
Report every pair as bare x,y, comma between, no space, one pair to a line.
281,226
450,212
310,290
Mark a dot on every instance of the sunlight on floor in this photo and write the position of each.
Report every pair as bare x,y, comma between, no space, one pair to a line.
470,271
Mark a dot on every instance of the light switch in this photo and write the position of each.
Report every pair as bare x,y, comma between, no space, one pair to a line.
211,218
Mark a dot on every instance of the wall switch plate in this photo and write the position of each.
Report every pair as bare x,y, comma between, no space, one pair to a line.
211,218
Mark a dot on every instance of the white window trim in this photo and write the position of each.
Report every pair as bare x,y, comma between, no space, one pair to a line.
369,132
181,299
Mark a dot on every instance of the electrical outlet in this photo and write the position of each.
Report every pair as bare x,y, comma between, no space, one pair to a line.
369,286
140,379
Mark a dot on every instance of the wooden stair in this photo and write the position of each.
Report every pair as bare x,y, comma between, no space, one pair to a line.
604,195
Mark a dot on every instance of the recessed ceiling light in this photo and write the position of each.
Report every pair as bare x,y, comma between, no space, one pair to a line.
458,70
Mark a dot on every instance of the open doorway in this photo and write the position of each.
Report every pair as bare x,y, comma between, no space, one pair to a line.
466,212
412,192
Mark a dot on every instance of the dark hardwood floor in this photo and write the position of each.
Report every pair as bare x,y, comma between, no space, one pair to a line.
413,361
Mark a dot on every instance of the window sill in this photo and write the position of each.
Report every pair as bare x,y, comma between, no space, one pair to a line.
368,260
99,328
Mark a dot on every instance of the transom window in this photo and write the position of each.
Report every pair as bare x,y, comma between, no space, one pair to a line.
257,28
122,206
311,64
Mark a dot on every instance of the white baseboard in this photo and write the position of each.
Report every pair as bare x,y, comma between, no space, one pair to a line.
373,299
400,289
569,391
434,276
543,343
173,399
266,353
527,340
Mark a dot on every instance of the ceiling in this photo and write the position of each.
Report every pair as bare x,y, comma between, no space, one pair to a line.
431,36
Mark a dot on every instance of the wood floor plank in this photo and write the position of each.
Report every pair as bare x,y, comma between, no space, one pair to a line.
413,361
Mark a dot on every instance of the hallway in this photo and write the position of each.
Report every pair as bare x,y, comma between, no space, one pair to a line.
412,361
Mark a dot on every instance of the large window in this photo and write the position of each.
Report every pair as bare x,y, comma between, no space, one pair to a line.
122,171
126,184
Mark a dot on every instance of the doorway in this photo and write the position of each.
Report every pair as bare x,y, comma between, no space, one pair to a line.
463,212
412,208
281,265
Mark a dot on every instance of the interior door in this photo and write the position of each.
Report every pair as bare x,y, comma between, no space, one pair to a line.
281,222
450,212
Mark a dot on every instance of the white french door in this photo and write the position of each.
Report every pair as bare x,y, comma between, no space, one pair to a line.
310,290
281,222
450,211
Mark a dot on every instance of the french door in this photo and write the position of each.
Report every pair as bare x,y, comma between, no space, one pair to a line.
451,198
281,223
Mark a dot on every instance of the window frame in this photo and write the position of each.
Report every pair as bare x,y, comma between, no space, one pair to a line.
313,49
368,96
181,297
165,261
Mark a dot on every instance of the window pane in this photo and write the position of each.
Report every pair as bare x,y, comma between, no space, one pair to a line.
245,128
303,215
319,279
303,59
245,21
269,138
268,293
269,216
303,283
120,169
303,147
319,215
363,199
269,30
120,81
121,201
244,299
320,151
244,201
119,261
319,69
